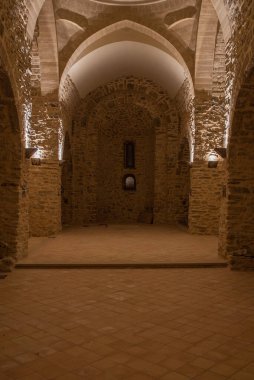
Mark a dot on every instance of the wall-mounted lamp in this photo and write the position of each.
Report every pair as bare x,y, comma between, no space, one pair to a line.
213,160
29,152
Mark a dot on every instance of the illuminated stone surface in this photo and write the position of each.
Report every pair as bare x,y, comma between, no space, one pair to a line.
51,92
79,78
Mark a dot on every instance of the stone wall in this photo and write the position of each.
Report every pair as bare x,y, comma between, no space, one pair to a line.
69,102
185,106
210,124
15,50
45,180
35,65
46,134
10,170
206,195
240,201
44,197
219,67
15,108
182,180
102,111
171,172
45,128
239,50
210,121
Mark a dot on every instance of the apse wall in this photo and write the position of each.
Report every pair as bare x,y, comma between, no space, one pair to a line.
128,109
116,125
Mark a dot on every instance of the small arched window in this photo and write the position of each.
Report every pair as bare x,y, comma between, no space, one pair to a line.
129,182
129,155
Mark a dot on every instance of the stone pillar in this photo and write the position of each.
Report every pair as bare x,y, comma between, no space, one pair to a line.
205,198
44,171
207,183
44,197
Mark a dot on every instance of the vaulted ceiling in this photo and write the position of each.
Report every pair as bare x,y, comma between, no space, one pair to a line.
94,41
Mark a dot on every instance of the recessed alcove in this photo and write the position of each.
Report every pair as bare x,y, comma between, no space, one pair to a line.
129,182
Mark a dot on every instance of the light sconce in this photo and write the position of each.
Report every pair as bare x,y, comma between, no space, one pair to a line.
213,160
29,152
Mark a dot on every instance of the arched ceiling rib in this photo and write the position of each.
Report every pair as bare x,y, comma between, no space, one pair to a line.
127,58
178,20
179,15
33,8
206,39
47,45
125,31
223,16
76,18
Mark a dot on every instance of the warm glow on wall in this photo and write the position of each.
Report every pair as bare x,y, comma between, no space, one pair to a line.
226,133
27,109
60,140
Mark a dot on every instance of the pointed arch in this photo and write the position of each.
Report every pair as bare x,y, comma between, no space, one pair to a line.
223,15
116,32
33,10
206,40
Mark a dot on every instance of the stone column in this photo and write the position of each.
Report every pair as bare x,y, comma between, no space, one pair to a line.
207,183
45,171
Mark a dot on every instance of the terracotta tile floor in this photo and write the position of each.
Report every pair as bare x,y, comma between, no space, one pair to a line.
138,243
169,324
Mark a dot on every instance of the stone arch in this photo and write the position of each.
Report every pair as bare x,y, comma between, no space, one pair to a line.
66,182
144,94
103,37
183,181
33,10
12,194
239,219
146,34
206,41
223,15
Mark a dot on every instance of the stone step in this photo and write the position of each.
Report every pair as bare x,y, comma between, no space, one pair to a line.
122,265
